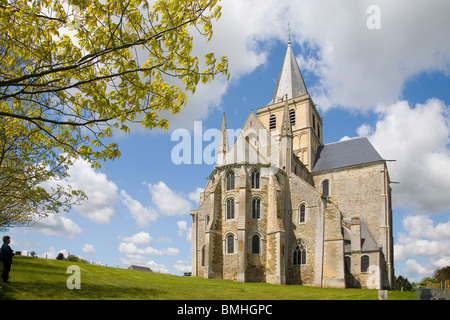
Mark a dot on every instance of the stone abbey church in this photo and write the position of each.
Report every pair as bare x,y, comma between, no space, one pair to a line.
281,207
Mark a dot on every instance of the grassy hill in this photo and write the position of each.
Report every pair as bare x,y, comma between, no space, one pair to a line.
42,279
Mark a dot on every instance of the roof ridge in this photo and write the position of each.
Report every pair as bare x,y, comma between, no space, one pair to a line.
345,153
349,139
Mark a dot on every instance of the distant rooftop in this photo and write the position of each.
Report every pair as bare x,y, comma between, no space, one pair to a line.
344,154
140,268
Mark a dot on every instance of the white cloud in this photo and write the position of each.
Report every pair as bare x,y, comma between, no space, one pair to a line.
164,240
89,248
423,227
183,230
415,269
102,194
57,225
52,253
142,215
423,246
132,259
132,249
361,68
355,67
129,246
167,201
236,35
156,267
182,266
171,251
423,239
140,238
417,138
195,196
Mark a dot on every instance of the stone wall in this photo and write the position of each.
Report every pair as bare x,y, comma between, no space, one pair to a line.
310,232
360,192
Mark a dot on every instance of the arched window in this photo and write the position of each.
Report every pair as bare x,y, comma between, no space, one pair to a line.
326,188
255,179
230,209
230,180
364,263
302,213
272,122
348,264
256,208
206,221
230,244
292,116
255,244
203,256
299,253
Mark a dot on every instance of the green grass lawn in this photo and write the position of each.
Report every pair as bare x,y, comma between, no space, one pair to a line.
42,279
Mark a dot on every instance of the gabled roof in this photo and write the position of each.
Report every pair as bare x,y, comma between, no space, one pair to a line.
244,148
290,81
344,154
139,268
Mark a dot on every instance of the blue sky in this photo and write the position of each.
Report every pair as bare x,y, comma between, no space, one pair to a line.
390,84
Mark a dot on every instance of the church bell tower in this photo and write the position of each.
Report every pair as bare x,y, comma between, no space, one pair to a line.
305,119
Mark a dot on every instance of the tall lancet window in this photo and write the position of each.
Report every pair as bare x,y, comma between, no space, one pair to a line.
255,179
230,180
326,188
230,209
302,213
255,244
230,244
256,208
299,253
203,256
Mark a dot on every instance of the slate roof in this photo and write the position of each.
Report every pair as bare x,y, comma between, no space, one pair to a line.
345,153
368,243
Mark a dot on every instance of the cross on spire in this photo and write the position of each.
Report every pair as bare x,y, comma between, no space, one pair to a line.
289,32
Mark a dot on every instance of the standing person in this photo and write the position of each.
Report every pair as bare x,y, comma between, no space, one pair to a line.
6,254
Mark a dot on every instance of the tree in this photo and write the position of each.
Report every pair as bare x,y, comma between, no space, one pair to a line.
60,256
426,282
27,170
403,284
73,258
442,274
74,72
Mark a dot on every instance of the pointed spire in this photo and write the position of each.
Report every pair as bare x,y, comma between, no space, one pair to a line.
223,143
286,140
290,81
286,127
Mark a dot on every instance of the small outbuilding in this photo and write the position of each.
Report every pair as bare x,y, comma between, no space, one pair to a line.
140,268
